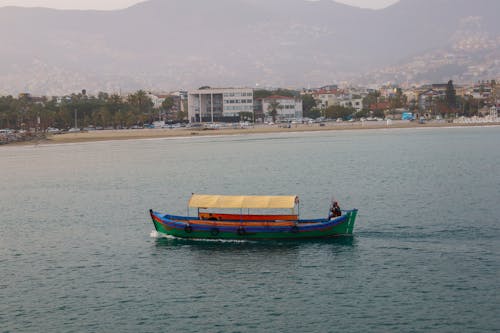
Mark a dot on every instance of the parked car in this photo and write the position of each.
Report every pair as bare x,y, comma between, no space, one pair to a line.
53,130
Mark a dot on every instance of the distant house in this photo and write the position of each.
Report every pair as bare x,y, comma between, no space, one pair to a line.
330,87
482,90
326,97
355,103
439,86
170,114
427,98
33,99
411,95
157,100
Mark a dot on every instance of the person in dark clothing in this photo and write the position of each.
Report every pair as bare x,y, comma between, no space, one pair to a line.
335,210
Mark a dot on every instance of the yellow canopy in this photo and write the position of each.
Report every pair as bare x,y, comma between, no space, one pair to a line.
242,201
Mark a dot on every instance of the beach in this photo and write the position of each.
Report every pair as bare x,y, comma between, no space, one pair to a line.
131,134
152,133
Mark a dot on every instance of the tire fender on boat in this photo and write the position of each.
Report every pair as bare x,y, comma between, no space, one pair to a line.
294,229
188,229
241,231
214,231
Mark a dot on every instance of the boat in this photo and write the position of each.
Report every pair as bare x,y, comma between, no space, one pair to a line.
237,224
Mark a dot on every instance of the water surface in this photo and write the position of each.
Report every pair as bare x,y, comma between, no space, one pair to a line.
77,252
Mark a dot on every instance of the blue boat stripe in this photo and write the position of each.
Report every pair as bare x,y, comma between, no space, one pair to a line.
170,220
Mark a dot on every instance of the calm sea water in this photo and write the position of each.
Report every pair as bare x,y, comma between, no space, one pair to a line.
77,252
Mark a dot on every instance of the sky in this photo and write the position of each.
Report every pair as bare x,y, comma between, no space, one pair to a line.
118,4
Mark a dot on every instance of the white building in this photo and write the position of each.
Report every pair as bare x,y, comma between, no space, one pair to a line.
326,98
219,104
157,100
288,108
356,103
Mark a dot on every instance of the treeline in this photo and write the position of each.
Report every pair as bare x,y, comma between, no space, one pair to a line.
113,111
105,110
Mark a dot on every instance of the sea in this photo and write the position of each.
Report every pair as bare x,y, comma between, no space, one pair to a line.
78,251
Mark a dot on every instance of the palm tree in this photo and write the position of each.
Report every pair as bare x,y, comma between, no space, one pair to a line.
167,105
141,105
272,109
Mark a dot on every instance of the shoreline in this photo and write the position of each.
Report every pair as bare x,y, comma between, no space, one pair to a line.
158,133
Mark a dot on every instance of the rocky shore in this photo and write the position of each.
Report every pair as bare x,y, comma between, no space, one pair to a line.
21,137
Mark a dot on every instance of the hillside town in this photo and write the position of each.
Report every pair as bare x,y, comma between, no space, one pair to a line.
26,116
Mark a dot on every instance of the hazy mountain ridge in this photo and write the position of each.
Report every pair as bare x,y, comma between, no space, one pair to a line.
169,44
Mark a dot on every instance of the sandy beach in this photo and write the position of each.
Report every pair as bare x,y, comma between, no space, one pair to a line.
132,134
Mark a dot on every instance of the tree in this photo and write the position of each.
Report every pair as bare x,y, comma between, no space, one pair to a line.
48,114
308,103
443,109
262,93
119,119
102,117
314,113
362,113
378,113
469,106
451,97
167,105
413,105
494,93
182,115
371,99
102,96
65,117
272,109
8,115
141,105
115,105
337,111
398,100
285,92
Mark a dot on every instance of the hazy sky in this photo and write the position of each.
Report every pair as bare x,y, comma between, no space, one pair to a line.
115,4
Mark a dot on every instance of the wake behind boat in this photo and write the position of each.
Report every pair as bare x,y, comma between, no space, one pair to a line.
217,225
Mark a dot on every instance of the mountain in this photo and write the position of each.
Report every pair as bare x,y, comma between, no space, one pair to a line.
171,44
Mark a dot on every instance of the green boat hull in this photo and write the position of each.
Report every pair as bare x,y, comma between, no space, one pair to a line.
344,228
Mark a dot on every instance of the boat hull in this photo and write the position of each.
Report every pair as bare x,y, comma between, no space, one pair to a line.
185,227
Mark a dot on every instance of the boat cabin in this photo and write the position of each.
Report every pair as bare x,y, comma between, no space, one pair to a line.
206,204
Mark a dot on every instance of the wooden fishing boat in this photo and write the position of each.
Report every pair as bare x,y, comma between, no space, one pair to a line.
209,224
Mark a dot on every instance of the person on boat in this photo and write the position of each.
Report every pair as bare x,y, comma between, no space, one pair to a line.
335,210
